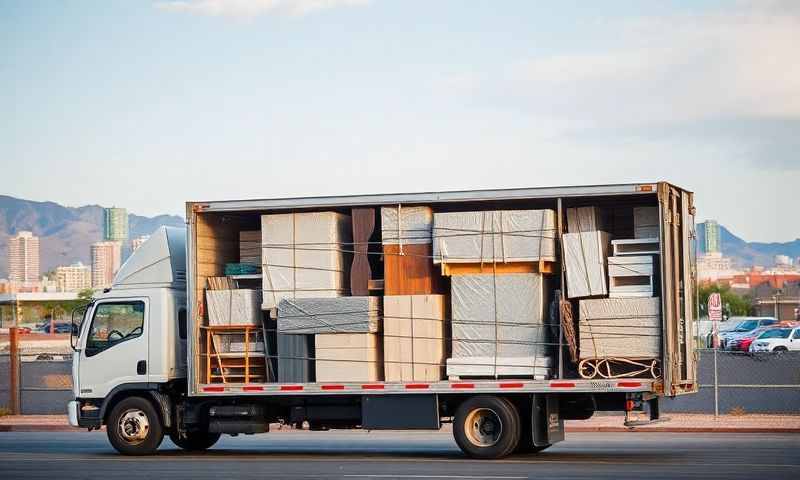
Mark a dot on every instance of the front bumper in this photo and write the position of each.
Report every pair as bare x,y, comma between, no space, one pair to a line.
72,413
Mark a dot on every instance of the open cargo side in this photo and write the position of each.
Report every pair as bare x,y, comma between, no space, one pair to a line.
214,242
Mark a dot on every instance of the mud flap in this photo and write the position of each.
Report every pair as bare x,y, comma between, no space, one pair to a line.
547,424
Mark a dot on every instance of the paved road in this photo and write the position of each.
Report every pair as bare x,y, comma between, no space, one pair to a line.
386,455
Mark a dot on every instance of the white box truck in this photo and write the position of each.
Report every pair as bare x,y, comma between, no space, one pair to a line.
150,362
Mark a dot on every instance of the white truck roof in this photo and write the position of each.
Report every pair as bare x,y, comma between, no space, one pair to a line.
159,262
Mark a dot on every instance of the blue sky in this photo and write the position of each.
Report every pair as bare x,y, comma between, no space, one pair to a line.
150,104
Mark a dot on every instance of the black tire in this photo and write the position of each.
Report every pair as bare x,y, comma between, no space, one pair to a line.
780,348
195,441
134,427
487,427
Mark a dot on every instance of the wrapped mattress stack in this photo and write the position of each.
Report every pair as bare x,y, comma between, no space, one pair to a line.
498,326
304,255
620,327
343,333
502,236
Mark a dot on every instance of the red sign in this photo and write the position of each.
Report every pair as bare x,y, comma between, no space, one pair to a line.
715,307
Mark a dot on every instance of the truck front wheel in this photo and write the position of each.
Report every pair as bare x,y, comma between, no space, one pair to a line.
487,427
194,441
134,427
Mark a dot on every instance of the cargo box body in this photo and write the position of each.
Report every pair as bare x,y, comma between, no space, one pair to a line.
431,324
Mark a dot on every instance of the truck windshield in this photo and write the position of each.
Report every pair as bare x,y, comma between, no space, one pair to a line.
776,333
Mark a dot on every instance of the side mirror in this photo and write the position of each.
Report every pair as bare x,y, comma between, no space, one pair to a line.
75,329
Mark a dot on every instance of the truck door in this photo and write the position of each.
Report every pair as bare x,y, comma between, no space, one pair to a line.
678,289
115,346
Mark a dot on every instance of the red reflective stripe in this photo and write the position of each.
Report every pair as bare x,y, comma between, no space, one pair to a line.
416,386
462,385
213,389
291,388
629,384
252,388
512,385
333,387
372,386
562,384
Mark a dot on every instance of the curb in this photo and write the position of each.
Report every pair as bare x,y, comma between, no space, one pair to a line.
682,430
39,428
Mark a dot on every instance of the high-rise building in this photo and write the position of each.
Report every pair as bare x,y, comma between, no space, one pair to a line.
115,225
23,257
138,241
713,243
106,259
73,278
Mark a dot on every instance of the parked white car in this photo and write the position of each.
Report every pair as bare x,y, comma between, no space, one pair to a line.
778,339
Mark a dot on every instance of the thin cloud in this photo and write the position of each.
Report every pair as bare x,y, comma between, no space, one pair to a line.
254,8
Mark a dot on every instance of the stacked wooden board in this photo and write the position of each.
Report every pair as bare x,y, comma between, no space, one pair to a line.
414,333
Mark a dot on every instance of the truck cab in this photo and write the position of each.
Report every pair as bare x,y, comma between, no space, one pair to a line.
126,341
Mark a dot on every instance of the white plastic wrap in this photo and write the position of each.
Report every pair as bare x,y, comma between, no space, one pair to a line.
494,236
329,315
234,307
620,327
415,226
497,317
305,255
585,255
537,367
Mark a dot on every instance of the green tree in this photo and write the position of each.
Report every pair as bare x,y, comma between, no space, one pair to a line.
732,304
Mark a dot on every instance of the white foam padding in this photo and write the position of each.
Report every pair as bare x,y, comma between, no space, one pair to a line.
494,236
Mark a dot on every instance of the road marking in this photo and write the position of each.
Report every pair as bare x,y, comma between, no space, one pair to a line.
430,476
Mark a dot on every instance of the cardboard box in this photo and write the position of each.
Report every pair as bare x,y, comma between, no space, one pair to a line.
348,357
414,332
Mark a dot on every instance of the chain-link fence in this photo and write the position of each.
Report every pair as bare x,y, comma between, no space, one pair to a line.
734,382
45,382
741,382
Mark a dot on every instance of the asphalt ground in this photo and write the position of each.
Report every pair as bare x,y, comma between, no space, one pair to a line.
405,455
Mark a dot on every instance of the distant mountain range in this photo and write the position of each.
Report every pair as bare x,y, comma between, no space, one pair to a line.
746,254
65,233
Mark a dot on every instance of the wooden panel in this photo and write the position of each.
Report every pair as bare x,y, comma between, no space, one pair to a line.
363,220
412,273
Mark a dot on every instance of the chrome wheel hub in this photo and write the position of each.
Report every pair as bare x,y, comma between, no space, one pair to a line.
133,426
483,427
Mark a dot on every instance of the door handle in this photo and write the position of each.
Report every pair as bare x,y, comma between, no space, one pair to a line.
141,367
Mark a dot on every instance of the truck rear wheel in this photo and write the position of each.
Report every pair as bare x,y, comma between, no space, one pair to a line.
487,427
134,427
194,441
